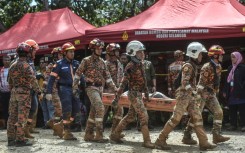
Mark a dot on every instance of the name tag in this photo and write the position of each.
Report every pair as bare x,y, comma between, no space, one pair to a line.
64,68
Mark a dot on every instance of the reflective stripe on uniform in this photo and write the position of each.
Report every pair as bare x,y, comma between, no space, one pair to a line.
108,80
198,123
117,117
171,123
98,119
200,87
218,121
91,120
187,87
191,125
54,74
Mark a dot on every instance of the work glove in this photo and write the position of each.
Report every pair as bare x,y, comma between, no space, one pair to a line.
48,97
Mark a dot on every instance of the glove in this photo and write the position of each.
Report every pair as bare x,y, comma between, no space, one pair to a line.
48,97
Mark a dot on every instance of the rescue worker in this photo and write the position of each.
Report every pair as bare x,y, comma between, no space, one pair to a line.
187,100
20,100
32,118
116,71
173,71
135,77
96,75
55,123
208,87
64,70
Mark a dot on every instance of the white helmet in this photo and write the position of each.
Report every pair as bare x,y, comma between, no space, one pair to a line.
194,49
133,47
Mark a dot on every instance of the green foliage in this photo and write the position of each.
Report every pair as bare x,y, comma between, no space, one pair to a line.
96,12
12,11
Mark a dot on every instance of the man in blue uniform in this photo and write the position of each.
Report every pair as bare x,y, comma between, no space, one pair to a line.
65,70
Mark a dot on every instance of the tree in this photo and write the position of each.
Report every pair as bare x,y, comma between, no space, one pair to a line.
12,11
96,12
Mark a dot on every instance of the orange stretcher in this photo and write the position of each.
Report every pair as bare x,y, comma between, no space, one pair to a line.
158,104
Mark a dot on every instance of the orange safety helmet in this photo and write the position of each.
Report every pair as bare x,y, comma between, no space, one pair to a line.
96,42
110,48
56,50
33,44
23,48
67,46
216,50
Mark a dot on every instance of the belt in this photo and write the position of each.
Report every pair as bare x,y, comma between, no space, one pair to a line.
66,85
96,84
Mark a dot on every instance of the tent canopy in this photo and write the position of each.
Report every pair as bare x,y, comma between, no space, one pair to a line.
178,20
49,29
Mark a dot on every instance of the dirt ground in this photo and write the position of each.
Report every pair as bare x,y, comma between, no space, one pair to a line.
46,143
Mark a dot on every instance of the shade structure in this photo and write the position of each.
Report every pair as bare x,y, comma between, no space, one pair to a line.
49,29
178,20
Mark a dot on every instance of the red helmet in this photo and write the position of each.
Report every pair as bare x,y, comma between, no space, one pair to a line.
67,46
56,50
96,43
112,47
23,48
215,50
32,43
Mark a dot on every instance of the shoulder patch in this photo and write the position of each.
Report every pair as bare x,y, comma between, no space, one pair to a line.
186,68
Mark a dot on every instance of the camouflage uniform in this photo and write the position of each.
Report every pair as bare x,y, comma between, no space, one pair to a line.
150,76
208,87
173,71
134,76
96,75
186,101
116,70
22,80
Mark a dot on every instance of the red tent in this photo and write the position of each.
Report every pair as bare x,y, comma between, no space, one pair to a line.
178,20
49,29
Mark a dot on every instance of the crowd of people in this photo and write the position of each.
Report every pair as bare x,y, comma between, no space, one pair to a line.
62,82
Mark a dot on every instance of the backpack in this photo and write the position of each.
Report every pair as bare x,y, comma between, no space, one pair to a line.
177,81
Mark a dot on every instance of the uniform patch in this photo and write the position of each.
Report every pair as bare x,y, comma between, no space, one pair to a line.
206,74
186,69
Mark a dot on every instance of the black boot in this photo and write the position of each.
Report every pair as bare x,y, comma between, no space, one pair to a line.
22,143
11,142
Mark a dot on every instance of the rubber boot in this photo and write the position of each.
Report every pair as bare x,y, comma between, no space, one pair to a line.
115,122
116,137
50,123
161,140
187,138
217,138
203,139
58,128
146,136
27,131
22,143
89,135
99,136
67,135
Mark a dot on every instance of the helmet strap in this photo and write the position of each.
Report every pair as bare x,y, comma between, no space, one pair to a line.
135,59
